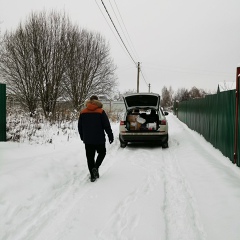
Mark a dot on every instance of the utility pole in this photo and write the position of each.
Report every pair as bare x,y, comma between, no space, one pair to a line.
138,71
149,86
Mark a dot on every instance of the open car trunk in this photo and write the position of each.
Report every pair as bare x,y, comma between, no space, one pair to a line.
142,100
142,120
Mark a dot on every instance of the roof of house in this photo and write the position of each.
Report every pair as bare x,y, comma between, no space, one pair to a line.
225,86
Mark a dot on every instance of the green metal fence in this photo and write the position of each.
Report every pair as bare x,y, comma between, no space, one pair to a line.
2,112
214,118
238,104
238,141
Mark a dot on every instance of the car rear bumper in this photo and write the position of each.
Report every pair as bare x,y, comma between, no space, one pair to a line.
126,137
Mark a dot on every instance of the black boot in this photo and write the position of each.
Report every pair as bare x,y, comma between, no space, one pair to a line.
95,173
92,178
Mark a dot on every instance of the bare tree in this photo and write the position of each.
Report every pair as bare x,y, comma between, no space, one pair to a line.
167,97
90,70
48,57
196,93
18,69
117,96
182,94
49,46
1,51
33,60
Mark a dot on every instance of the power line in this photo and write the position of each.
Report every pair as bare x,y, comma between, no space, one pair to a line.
143,77
117,32
127,34
121,25
186,70
125,29
109,25
135,63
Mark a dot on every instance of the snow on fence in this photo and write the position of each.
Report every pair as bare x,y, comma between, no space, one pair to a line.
113,106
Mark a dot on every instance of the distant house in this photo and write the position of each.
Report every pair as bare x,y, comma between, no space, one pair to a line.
226,86
103,98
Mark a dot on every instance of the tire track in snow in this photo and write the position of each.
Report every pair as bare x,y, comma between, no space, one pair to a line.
61,212
46,211
180,210
41,205
45,214
121,224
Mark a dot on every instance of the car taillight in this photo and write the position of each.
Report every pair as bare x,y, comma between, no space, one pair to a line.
163,122
122,122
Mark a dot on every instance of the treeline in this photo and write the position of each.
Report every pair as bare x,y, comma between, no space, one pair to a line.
48,58
168,96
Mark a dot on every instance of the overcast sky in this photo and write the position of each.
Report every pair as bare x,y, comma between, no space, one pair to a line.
178,43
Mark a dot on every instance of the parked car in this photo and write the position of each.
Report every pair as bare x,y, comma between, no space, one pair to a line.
144,120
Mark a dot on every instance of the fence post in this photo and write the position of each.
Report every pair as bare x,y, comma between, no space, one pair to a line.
236,121
2,112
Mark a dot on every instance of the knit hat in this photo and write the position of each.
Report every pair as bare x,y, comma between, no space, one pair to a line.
93,97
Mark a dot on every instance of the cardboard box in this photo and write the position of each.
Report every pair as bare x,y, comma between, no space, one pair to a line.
132,118
134,125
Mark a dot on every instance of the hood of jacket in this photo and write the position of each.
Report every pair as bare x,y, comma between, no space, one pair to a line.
93,104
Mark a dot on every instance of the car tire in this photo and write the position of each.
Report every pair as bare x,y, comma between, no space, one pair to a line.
165,145
123,144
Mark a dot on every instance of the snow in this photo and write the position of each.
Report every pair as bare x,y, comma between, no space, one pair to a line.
225,86
189,191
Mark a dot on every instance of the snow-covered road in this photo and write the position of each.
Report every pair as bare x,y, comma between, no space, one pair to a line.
189,191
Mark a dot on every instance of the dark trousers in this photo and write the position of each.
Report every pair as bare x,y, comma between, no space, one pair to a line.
91,150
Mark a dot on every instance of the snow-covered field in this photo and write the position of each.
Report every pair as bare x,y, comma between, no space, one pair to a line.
189,191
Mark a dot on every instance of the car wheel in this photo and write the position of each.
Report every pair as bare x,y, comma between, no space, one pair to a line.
165,145
123,144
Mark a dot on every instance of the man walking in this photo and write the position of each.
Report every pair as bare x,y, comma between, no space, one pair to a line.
92,125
